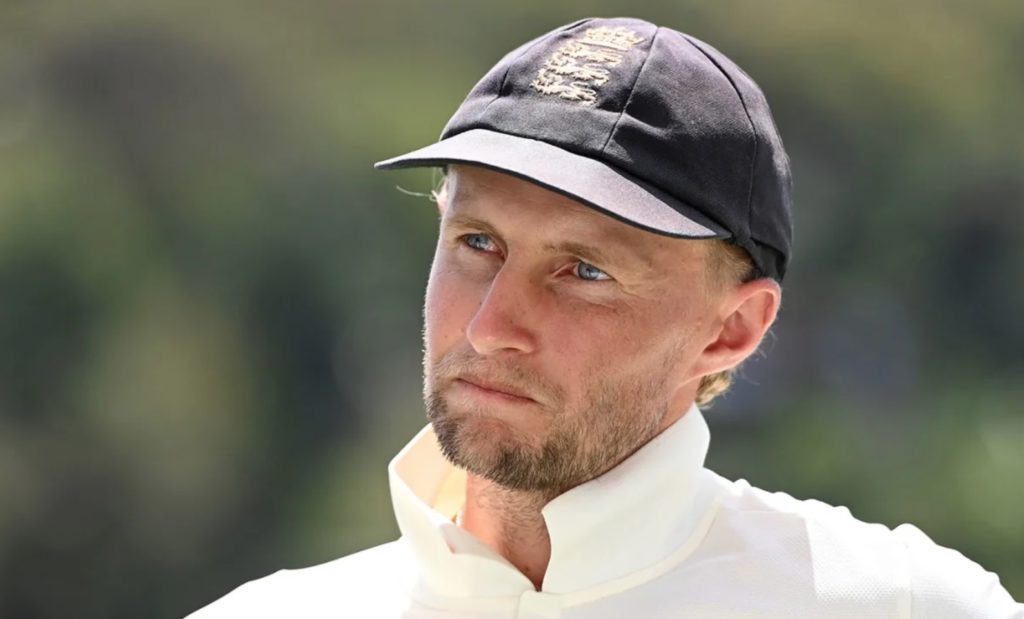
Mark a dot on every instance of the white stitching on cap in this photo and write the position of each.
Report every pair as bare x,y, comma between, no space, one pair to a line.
579,66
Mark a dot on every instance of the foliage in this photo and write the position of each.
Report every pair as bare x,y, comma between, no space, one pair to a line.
210,303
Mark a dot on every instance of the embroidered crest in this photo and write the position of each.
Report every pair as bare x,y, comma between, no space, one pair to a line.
579,66
615,38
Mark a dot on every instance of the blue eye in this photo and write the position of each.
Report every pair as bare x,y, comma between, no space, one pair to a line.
589,272
480,242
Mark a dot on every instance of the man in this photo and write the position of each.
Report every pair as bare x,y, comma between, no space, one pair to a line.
615,224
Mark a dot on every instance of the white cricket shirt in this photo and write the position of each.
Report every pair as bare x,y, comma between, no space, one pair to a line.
658,536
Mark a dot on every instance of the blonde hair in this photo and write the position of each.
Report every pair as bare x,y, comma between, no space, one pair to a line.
728,264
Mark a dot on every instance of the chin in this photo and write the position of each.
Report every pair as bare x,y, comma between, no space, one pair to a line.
484,432
474,436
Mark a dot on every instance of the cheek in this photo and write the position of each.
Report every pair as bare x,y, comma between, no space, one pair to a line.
589,344
448,308
620,330
605,347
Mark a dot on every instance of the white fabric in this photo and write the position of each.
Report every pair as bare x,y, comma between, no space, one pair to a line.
658,536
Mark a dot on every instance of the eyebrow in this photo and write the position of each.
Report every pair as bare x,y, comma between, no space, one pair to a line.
586,252
471,224
465,221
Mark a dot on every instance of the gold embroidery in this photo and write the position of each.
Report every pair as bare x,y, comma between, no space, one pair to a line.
575,49
565,65
549,83
578,66
616,38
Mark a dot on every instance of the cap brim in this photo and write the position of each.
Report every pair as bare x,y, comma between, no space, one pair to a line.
587,180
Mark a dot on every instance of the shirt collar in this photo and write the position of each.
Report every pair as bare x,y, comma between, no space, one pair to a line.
614,525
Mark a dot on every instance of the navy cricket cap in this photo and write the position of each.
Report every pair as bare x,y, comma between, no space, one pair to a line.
649,125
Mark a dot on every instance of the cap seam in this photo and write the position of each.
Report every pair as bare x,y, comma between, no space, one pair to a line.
508,69
753,128
632,90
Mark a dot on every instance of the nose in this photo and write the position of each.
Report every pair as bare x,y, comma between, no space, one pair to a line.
502,322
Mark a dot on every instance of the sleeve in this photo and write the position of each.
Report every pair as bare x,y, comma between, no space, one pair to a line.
946,585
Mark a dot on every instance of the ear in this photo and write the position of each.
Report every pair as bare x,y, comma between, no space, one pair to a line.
745,314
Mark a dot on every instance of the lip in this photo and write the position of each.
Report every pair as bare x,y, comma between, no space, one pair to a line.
492,389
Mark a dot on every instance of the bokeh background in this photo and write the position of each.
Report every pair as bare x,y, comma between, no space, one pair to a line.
210,304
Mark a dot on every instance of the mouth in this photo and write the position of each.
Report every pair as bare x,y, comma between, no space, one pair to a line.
493,389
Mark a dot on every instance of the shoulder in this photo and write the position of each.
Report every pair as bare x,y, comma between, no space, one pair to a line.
379,574
850,562
946,583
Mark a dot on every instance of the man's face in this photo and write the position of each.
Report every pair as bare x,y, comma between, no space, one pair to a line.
557,340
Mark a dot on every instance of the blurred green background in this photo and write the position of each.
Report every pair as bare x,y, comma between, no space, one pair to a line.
210,304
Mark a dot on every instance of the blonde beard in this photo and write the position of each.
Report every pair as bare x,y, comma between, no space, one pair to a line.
580,445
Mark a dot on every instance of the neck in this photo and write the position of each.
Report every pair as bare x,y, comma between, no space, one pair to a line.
510,522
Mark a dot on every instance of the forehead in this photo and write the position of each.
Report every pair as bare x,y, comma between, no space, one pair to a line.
511,204
478,188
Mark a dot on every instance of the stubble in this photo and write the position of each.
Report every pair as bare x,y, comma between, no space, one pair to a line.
614,418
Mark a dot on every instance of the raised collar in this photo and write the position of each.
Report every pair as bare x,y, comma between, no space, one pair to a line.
607,529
